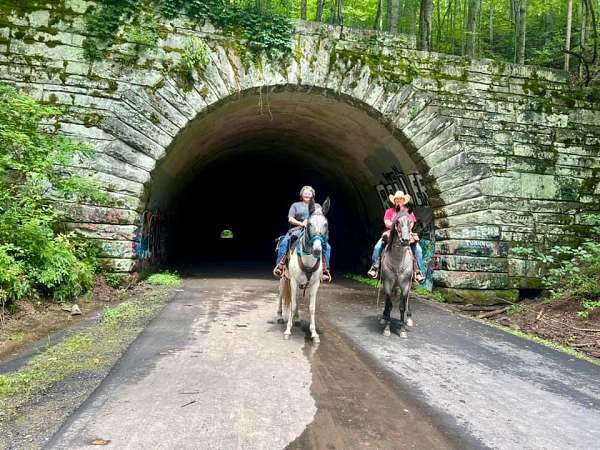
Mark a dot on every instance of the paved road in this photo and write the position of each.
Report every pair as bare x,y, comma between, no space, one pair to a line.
212,371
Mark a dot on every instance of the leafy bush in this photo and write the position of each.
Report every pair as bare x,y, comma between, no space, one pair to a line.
573,272
36,256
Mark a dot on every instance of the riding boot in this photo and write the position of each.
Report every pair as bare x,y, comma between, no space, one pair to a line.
374,271
278,270
419,278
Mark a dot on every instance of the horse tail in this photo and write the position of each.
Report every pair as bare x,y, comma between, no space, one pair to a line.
286,295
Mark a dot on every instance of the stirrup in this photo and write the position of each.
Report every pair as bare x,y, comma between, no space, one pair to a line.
419,278
326,276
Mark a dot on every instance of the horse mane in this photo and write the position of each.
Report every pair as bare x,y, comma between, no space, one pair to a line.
393,233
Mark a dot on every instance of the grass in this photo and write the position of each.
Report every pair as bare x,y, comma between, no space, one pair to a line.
92,349
419,290
164,279
363,280
433,295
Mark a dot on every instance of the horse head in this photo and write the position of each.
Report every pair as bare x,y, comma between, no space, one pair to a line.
402,227
317,229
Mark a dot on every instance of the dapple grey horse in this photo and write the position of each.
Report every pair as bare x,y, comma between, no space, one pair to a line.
305,268
397,271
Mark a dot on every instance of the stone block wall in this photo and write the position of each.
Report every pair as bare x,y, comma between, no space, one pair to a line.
510,154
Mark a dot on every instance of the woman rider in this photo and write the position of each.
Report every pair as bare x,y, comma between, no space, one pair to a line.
399,200
298,219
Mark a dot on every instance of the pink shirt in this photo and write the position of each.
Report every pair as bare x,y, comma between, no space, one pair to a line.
390,213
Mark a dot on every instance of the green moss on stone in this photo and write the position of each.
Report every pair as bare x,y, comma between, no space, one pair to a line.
91,120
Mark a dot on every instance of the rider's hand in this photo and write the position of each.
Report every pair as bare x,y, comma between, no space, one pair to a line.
304,223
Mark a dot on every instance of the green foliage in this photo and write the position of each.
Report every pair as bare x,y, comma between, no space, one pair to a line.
193,58
262,32
36,257
362,280
573,272
164,279
265,28
433,295
115,280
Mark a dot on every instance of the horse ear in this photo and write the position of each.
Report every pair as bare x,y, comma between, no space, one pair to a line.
326,206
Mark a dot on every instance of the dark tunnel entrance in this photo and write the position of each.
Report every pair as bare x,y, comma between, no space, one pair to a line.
235,170
249,192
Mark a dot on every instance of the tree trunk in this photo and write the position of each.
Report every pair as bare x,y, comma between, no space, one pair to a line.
303,8
568,36
337,15
492,10
320,6
378,24
583,16
520,31
401,11
425,19
472,26
393,10
413,17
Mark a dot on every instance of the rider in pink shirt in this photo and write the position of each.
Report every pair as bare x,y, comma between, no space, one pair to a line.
400,200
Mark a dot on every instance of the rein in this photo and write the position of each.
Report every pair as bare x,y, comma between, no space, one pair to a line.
395,239
301,250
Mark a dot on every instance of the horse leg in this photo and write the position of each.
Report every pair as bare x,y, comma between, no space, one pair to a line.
388,288
312,307
280,302
386,310
409,322
290,318
404,293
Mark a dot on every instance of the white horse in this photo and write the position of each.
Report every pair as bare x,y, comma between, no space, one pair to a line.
304,271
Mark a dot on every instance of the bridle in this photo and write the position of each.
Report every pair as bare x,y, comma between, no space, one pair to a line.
303,249
397,234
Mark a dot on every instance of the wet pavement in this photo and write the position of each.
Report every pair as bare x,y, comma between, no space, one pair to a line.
212,371
492,388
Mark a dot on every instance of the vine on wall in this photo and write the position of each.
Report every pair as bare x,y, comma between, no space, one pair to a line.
262,33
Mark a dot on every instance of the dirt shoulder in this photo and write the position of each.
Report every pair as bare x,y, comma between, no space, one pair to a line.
552,320
33,320
37,397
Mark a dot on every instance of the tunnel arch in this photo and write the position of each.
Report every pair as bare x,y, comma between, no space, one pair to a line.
296,135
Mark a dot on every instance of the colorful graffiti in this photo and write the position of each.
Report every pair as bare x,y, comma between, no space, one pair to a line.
396,180
151,240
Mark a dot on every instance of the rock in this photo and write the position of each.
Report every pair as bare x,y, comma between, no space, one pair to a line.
75,311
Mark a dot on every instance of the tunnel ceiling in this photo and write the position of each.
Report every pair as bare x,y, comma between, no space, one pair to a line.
340,140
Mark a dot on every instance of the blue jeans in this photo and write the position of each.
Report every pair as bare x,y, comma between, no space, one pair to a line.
377,252
419,255
284,245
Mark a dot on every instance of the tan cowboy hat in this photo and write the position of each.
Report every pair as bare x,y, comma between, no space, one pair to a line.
400,194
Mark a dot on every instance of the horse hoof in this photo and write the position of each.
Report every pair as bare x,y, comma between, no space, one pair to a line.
280,320
286,336
409,322
403,334
387,333
316,339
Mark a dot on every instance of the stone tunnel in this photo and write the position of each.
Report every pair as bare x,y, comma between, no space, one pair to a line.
496,156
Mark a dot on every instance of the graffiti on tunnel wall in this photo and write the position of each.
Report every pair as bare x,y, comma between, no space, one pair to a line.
150,240
396,180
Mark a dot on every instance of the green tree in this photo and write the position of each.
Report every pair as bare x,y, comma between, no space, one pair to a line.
38,257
